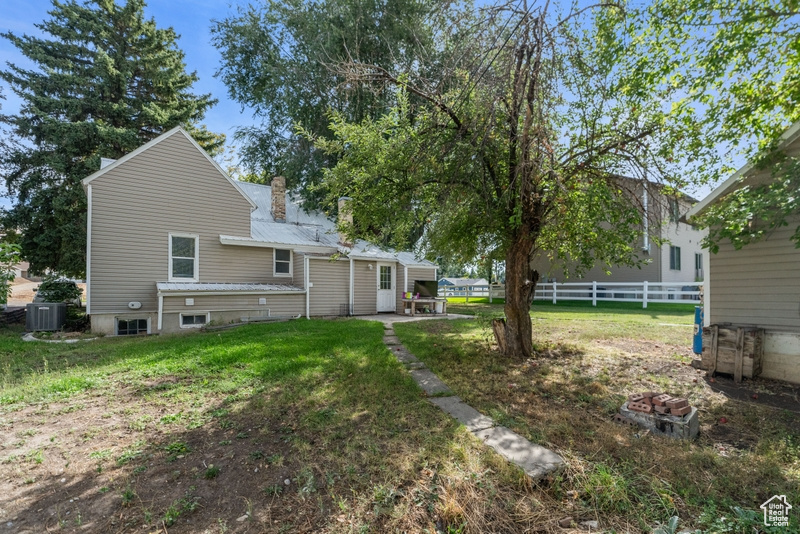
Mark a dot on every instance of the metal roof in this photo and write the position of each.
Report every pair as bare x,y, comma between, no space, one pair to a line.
223,286
303,229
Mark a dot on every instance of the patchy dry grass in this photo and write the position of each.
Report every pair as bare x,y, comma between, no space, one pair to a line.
307,426
586,364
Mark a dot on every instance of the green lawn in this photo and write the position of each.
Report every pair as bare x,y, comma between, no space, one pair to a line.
192,432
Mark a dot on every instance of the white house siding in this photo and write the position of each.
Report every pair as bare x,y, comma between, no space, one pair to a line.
330,288
759,285
688,239
365,287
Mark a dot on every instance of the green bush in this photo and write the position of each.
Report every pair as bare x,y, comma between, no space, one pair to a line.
55,288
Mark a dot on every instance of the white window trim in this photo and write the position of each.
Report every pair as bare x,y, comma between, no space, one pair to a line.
119,318
180,319
275,262
196,277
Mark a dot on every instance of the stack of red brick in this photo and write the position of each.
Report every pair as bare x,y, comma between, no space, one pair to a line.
660,403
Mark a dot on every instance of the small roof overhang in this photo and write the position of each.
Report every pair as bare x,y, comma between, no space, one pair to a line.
250,242
178,289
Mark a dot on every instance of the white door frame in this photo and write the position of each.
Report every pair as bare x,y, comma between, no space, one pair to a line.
386,302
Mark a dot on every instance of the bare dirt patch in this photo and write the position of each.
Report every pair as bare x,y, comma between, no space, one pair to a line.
102,464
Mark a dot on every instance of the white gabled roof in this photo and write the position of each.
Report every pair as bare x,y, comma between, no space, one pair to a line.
789,136
86,181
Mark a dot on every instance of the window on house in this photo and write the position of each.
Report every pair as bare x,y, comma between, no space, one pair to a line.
698,267
674,210
131,327
283,262
193,320
386,277
675,258
183,260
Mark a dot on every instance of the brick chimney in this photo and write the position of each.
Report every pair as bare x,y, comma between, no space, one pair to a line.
279,199
346,217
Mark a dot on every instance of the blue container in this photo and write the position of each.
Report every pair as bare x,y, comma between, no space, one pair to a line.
697,341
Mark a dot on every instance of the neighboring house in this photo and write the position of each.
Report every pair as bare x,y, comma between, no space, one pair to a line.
174,243
460,286
759,285
678,260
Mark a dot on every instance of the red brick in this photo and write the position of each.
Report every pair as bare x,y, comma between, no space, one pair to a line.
661,400
636,397
649,394
677,403
640,407
647,400
680,411
661,409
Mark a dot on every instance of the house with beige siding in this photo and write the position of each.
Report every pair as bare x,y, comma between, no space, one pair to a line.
670,250
174,243
759,284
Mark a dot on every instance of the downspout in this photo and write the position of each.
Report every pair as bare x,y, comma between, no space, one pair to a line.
405,278
352,295
160,311
305,283
88,248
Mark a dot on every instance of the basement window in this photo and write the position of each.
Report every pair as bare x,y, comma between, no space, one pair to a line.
131,327
193,320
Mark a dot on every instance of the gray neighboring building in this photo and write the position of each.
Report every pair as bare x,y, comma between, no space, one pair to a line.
679,260
174,243
759,284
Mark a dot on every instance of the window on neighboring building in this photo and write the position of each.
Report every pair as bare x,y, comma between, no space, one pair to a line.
674,210
130,327
698,266
282,262
675,258
194,320
183,258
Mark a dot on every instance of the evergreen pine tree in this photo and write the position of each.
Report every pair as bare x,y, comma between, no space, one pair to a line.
106,80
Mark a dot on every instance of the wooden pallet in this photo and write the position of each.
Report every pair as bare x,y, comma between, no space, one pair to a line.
733,350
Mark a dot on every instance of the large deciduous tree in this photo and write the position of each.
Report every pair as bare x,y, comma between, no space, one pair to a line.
105,80
738,63
520,143
276,58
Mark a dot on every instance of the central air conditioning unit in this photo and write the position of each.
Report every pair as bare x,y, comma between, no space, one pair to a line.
45,316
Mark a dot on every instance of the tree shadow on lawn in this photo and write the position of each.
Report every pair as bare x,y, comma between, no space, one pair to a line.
204,438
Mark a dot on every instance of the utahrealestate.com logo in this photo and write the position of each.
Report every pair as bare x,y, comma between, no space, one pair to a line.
776,511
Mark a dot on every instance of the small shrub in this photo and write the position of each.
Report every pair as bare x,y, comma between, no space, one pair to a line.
55,288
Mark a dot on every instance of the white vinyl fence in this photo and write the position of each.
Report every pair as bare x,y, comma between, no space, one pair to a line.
644,292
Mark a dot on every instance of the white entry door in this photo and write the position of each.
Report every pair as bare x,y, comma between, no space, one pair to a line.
386,289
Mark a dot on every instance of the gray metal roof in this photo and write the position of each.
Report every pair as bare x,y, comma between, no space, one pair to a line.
313,229
210,287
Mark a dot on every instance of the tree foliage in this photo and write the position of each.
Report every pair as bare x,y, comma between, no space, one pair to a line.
736,65
105,81
535,137
9,257
277,57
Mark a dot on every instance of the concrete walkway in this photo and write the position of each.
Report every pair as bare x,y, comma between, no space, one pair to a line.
535,460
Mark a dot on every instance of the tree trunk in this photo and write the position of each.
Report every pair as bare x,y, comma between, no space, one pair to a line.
520,285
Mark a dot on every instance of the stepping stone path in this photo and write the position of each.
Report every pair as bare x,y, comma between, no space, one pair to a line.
535,460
